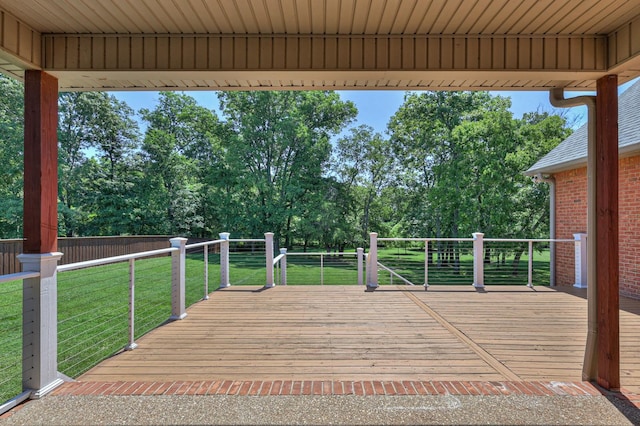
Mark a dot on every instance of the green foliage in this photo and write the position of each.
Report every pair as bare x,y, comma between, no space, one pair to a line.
181,149
279,152
451,165
11,148
464,155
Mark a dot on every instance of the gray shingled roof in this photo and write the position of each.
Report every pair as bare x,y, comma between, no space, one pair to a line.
572,152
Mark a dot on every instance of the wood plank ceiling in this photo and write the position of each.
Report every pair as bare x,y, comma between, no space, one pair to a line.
321,44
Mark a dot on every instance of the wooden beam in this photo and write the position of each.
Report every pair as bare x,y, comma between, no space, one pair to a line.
607,286
40,163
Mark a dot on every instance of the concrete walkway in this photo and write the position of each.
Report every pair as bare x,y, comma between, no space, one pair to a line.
316,403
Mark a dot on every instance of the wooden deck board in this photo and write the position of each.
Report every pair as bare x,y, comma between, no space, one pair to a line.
343,333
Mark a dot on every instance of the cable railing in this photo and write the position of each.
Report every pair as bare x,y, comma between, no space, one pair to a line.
247,261
476,261
426,261
11,339
320,268
103,306
202,266
519,261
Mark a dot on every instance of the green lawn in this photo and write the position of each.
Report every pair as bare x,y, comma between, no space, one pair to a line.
93,303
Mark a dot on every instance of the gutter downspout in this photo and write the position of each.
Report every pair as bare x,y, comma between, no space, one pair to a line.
552,225
557,99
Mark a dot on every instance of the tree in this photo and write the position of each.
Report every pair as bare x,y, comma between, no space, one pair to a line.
464,155
365,165
11,154
96,193
281,149
180,146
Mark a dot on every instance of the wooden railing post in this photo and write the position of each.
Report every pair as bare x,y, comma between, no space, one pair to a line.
40,324
372,263
478,260
268,241
360,252
178,273
224,260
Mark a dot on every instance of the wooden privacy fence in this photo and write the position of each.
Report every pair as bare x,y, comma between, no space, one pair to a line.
80,249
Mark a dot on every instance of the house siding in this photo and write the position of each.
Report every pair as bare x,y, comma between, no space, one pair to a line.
571,218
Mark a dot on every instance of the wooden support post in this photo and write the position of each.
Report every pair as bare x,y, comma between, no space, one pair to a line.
40,162
607,286
40,305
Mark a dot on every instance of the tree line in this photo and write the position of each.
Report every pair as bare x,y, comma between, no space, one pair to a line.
290,162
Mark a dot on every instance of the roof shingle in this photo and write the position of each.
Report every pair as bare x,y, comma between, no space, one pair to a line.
572,152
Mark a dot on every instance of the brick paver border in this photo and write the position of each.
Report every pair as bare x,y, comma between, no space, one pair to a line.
368,387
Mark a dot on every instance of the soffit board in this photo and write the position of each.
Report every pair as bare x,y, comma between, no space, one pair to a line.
564,23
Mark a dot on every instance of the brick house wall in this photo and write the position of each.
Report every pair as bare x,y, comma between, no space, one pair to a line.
571,218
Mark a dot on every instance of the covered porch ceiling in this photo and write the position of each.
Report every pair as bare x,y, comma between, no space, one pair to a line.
321,44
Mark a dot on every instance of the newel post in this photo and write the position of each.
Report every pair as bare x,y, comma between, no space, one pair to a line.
580,260
478,260
372,263
178,272
40,324
360,252
224,260
268,242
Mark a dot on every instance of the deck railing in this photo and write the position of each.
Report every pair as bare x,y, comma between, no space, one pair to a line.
318,268
63,319
476,261
105,305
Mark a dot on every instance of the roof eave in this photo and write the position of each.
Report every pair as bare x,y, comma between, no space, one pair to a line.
625,151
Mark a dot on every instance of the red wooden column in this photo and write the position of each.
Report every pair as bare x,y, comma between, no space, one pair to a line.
607,286
40,294
40,162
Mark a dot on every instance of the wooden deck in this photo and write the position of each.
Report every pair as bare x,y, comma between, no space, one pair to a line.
394,333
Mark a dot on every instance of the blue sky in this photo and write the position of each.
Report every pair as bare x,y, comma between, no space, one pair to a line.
376,107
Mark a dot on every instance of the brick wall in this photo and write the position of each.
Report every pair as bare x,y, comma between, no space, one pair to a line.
629,231
571,218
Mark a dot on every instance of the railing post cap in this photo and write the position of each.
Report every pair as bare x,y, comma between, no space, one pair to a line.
359,249
178,242
478,234
579,236
283,251
224,235
268,234
31,257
